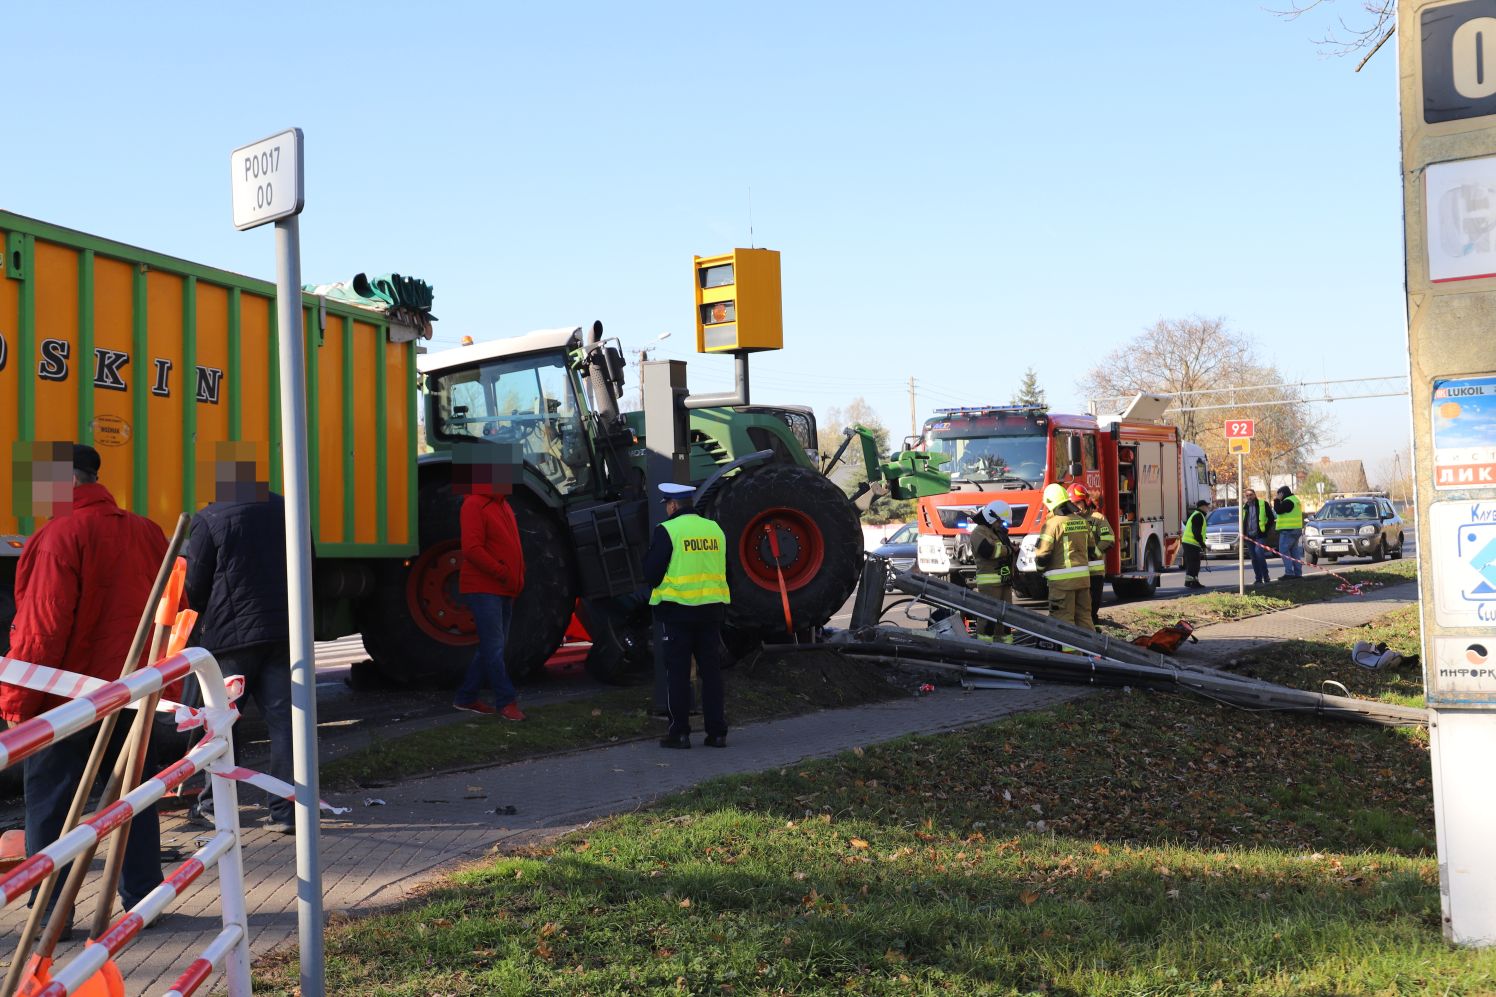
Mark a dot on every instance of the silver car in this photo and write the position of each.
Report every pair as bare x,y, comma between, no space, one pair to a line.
1222,532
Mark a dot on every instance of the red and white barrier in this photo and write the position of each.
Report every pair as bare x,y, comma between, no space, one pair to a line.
230,949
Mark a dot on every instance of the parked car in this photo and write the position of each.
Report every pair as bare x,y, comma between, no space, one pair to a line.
1222,532
899,548
1359,526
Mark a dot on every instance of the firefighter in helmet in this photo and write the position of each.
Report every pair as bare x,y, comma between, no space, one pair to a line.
1101,537
1064,554
993,551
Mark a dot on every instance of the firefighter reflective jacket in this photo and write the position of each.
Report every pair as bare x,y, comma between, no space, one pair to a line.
698,563
1065,552
1102,539
996,569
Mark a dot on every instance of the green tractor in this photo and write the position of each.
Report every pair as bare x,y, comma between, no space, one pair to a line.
582,503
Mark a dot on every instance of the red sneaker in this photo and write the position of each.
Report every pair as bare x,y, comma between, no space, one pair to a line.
476,706
511,712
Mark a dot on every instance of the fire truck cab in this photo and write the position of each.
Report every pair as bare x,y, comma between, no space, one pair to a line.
1145,478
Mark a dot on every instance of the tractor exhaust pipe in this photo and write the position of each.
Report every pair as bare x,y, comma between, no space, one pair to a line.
726,399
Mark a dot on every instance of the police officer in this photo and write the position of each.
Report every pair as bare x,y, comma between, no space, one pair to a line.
1192,544
1290,513
1065,554
1102,539
686,567
992,549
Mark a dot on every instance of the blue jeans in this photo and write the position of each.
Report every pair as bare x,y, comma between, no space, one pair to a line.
493,614
1259,558
1291,546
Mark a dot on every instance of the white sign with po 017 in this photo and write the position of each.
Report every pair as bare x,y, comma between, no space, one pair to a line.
267,179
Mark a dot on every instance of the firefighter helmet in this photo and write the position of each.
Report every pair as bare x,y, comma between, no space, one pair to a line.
1054,496
1078,493
996,511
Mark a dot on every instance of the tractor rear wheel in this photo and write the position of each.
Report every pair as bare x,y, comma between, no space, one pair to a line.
416,626
812,526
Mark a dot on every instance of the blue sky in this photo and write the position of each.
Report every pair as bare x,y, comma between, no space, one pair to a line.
958,191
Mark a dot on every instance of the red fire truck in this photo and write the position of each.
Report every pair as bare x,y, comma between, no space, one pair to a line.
1145,478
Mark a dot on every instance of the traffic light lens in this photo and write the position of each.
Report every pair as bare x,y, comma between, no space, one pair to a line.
718,312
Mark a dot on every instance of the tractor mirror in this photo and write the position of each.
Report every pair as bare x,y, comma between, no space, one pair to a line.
614,360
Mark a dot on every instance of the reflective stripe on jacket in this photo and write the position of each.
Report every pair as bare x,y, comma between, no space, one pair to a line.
1293,519
1102,538
995,570
698,563
1066,542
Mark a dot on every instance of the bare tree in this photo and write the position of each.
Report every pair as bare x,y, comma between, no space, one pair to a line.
1173,355
1367,30
1196,354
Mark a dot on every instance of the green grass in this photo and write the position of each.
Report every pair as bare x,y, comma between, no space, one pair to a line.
1221,607
759,687
1126,844
1305,664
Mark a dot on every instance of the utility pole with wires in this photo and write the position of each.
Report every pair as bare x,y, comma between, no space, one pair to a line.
913,411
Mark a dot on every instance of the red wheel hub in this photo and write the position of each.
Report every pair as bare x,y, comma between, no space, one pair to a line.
431,595
802,549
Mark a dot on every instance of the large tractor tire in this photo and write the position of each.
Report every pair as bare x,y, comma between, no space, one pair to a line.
416,627
819,542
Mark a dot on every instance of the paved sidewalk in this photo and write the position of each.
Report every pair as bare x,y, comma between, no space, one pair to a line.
381,854
1222,644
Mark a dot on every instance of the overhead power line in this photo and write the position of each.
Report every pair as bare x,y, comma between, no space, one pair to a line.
1259,395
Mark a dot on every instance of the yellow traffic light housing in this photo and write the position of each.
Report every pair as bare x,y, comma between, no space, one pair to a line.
738,307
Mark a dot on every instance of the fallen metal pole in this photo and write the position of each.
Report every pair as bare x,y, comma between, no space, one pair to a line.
1112,661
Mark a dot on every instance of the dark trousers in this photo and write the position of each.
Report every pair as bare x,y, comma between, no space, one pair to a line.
52,776
1191,560
1098,582
267,680
493,614
703,641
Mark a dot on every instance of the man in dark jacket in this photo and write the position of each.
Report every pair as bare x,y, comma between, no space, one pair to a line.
686,568
81,584
1257,522
236,580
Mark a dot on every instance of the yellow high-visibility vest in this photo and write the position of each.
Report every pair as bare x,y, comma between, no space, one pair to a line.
1293,519
697,574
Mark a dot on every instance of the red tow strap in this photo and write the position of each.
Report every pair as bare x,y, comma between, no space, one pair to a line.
784,595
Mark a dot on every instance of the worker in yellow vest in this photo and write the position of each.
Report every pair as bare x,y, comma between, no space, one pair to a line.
1064,554
1192,544
1290,513
1102,539
686,568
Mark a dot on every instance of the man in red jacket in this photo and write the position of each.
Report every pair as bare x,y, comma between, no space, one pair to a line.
81,584
491,577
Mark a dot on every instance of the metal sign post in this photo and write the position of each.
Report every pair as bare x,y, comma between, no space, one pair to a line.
1239,441
1448,110
268,186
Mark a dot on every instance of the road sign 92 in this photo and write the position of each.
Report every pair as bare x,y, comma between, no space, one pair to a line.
1458,49
1240,429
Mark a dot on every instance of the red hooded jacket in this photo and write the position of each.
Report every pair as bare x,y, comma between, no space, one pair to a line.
81,584
492,560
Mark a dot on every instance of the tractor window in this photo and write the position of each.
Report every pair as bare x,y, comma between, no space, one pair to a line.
528,402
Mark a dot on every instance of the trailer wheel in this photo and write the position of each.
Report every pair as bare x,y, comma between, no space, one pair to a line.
819,541
417,628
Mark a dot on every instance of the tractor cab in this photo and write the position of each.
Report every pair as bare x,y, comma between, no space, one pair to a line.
522,393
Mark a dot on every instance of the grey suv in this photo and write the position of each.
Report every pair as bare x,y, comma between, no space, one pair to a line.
1360,526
